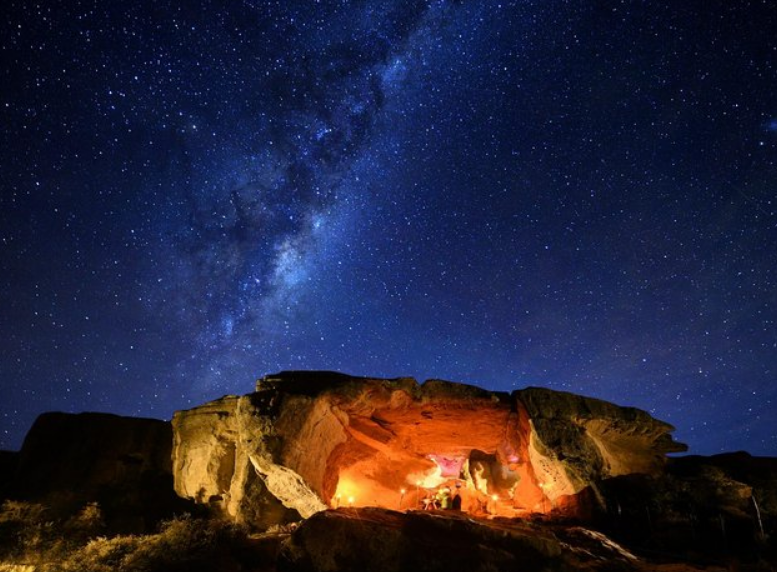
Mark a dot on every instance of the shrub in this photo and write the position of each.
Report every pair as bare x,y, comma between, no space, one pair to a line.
31,536
24,528
85,525
183,544
101,555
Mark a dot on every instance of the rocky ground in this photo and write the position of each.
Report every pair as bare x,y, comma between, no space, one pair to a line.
351,540
387,541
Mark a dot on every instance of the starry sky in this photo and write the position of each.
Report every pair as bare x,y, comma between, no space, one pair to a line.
574,194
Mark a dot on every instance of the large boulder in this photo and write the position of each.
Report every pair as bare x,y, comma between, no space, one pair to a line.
576,441
122,463
312,440
723,505
380,540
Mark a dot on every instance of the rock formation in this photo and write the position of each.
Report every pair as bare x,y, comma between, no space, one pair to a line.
65,452
380,540
304,442
313,440
122,463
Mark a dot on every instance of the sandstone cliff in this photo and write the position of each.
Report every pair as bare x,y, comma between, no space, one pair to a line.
312,440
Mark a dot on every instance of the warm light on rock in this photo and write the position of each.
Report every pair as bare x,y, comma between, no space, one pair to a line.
312,436
429,479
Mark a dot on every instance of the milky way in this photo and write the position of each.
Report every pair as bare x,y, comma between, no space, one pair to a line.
567,194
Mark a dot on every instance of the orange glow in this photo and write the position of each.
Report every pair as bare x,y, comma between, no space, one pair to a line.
346,489
430,479
428,448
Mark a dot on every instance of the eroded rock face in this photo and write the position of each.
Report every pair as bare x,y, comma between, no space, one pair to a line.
576,441
313,440
221,457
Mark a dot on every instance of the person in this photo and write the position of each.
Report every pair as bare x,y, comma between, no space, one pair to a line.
444,498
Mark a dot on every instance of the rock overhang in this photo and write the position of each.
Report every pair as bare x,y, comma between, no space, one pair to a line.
319,439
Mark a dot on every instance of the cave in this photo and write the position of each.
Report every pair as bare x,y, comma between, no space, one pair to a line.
332,441
404,451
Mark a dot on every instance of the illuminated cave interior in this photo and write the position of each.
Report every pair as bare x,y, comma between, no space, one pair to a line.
395,456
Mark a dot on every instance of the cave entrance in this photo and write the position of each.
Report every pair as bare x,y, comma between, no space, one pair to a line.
436,456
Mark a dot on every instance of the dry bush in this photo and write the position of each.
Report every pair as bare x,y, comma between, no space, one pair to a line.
183,544
24,528
102,555
85,525
34,534
31,536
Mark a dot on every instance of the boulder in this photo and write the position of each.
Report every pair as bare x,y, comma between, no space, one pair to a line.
381,540
576,441
122,463
737,481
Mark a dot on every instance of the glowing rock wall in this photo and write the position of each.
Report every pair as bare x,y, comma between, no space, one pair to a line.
317,439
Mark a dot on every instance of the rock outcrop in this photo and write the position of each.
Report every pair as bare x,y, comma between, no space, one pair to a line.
352,455
380,540
122,463
312,440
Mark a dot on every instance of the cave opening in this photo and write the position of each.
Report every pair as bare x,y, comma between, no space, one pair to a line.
436,456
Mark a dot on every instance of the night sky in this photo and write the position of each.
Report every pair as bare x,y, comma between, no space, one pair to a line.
578,194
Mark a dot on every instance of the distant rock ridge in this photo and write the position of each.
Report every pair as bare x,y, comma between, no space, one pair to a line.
312,440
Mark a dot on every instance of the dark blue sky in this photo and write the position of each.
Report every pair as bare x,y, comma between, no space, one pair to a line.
572,194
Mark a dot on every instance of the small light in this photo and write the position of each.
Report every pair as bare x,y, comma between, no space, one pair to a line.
494,497
350,501
402,491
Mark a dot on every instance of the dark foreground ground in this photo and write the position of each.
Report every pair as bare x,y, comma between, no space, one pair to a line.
344,540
